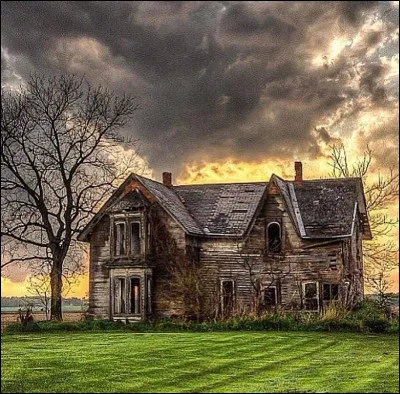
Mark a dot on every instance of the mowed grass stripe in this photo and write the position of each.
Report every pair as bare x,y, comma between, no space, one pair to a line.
200,362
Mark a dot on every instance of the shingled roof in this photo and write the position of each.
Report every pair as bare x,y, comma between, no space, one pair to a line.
223,209
323,208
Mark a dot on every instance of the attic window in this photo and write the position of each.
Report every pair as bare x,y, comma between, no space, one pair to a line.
274,238
333,262
240,211
249,190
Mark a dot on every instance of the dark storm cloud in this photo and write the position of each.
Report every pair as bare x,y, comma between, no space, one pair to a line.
216,79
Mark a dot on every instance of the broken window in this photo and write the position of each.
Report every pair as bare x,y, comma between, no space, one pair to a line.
119,296
227,296
270,299
310,292
135,238
119,239
135,295
330,292
274,238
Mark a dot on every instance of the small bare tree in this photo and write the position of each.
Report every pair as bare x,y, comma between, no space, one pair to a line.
39,287
263,273
59,158
380,254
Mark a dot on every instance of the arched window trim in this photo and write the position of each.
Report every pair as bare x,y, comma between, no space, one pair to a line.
280,237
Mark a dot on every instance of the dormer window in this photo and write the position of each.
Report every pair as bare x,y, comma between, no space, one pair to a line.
274,238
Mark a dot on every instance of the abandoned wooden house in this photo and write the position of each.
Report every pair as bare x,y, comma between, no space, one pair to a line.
215,249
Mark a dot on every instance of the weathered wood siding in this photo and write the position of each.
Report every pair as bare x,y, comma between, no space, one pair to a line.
297,264
99,284
301,260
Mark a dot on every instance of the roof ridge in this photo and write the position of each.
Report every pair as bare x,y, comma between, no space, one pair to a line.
224,183
325,179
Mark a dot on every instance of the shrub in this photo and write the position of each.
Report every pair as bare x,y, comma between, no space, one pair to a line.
378,325
366,317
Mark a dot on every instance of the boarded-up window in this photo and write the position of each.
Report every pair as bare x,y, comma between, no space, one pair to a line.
311,302
227,296
270,299
330,291
119,296
135,238
274,238
135,295
119,239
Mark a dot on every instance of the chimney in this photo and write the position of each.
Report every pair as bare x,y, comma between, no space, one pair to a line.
167,178
298,169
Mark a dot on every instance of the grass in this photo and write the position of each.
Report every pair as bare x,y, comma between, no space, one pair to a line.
200,362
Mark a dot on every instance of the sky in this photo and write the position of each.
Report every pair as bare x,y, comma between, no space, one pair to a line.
229,91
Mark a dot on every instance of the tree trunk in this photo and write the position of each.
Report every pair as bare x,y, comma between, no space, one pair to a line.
56,288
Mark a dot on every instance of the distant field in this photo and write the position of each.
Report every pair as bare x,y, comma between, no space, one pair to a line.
200,362
66,308
12,317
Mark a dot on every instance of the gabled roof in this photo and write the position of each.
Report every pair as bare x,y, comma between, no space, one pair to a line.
323,208
171,202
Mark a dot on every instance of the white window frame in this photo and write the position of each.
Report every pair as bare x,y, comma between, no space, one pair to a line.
317,295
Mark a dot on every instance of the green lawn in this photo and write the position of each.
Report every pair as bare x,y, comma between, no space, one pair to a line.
200,362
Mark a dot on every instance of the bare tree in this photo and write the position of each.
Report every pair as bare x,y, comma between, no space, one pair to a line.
60,156
39,287
263,273
380,254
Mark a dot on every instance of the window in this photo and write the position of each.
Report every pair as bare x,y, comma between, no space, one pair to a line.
127,237
119,296
310,292
135,296
330,292
274,238
135,238
148,304
333,262
119,239
227,296
269,295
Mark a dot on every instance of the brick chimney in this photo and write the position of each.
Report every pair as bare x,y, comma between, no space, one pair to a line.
167,178
298,169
